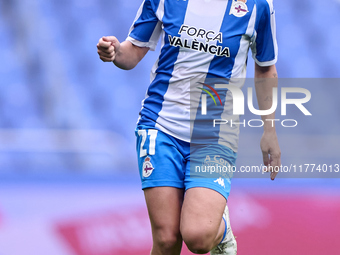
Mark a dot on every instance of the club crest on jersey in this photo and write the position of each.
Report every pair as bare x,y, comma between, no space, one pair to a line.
147,167
239,8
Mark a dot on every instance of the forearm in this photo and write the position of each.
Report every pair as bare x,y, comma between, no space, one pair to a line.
129,55
265,80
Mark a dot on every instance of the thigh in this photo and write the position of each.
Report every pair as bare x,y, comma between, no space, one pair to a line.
202,212
164,207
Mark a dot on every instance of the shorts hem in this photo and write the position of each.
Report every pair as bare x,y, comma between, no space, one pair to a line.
224,193
153,184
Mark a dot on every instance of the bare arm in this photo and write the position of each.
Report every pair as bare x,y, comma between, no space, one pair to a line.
124,55
265,80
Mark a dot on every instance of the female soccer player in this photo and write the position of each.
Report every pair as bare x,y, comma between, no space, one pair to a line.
203,43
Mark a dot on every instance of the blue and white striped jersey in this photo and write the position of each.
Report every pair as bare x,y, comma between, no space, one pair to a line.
200,39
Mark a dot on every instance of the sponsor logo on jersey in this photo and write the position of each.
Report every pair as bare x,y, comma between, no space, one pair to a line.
200,40
239,8
147,167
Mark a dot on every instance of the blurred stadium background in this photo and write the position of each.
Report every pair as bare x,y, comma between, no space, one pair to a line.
68,177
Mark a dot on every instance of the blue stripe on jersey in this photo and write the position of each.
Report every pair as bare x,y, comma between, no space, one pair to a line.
148,21
174,14
264,42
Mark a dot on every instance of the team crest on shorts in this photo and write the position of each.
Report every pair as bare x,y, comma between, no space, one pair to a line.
147,167
239,8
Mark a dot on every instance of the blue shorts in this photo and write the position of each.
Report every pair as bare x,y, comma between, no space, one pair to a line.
166,161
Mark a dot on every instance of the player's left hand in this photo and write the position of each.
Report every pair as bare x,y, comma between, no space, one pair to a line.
271,153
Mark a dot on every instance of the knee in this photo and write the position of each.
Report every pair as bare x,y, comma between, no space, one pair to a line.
198,240
166,239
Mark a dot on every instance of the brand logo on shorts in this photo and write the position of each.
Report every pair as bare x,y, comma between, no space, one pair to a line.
239,8
147,167
220,181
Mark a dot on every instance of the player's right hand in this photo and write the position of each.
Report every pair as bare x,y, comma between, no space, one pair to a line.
108,47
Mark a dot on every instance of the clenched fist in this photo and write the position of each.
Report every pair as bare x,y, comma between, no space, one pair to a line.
108,46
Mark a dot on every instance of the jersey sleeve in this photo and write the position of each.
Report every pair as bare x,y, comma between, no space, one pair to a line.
146,28
264,46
